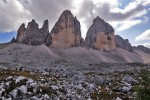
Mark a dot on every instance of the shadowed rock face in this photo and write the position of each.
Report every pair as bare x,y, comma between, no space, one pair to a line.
32,35
21,33
13,40
124,44
100,35
66,32
142,48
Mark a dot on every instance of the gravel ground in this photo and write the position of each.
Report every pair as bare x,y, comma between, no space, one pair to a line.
35,73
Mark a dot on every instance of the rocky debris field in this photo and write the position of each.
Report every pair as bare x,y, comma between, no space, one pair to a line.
64,82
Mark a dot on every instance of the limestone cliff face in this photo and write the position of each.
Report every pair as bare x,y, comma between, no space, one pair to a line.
100,35
123,43
104,42
66,32
32,35
45,31
21,33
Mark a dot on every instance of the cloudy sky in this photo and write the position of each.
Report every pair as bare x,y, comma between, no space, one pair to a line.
130,18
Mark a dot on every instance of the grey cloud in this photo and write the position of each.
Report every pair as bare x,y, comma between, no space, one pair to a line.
47,9
123,16
86,12
5,1
104,11
11,16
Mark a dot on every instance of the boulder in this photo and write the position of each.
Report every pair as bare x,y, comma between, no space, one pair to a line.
125,89
98,80
22,90
14,93
118,98
123,43
129,80
66,32
100,35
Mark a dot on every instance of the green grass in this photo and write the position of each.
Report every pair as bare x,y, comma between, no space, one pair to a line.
103,94
143,88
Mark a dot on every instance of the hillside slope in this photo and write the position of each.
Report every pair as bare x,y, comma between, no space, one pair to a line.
18,54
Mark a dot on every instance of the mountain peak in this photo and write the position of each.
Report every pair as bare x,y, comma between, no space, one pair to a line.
100,35
33,21
66,15
97,20
23,25
45,25
66,32
67,12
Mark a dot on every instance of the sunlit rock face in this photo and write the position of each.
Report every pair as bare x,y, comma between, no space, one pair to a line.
123,43
100,35
66,32
33,35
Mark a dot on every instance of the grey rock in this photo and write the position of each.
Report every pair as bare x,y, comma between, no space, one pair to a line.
143,48
64,18
14,93
13,40
34,98
129,79
126,89
45,30
78,77
117,89
82,42
32,35
66,32
22,90
100,35
33,85
97,80
21,33
123,43
118,98
123,89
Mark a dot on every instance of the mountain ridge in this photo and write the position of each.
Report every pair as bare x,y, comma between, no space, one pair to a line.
66,19
64,41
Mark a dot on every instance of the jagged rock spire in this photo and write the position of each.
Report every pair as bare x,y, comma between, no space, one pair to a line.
32,35
21,33
66,32
123,43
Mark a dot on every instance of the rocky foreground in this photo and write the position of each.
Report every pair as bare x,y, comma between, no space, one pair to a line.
62,81
61,65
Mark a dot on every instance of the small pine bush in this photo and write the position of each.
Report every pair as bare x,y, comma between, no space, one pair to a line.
143,89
